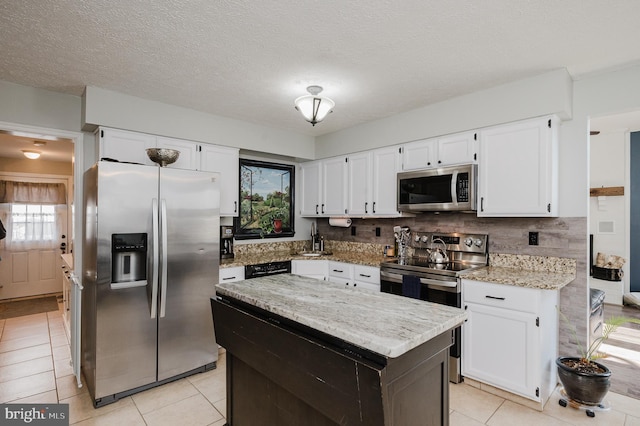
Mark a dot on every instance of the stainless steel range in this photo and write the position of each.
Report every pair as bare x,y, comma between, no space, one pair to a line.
432,273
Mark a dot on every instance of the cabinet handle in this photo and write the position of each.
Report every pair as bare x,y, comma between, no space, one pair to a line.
322,209
366,276
235,207
481,204
316,209
428,163
228,278
374,207
495,298
366,204
338,270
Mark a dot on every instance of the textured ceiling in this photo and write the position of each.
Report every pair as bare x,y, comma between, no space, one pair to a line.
250,59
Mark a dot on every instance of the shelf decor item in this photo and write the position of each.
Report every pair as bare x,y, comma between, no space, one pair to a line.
163,156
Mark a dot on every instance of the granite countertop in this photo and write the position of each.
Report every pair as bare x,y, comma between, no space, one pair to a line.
357,258
541,272
382,323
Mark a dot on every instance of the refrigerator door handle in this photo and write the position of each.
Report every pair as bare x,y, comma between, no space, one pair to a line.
156,258
163,278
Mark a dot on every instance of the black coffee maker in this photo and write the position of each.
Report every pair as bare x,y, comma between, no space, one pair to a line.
226,242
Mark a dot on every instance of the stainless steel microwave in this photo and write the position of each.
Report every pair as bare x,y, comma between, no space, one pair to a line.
450,188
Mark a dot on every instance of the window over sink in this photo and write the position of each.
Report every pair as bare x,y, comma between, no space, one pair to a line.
266,200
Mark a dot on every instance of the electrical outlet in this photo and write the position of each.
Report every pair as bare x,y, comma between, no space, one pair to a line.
377,231
533,238
353,230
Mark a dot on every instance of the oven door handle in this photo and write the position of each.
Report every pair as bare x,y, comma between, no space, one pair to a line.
439,283
398,278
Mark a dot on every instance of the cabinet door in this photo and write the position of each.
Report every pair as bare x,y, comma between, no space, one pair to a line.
224,160
501,347
125,146
310,268
310,183
419,154
457,149
334,187
189,152
517,172
386,164
359,183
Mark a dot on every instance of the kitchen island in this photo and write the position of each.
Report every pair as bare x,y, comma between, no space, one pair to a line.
305,351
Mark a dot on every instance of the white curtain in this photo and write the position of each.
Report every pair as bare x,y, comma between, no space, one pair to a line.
33,213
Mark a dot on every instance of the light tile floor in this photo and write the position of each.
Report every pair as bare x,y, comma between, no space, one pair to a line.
34,367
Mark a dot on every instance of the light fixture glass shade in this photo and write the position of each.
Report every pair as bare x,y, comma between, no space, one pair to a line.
314,108
32,155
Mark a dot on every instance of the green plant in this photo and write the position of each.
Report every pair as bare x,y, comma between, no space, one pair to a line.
590,353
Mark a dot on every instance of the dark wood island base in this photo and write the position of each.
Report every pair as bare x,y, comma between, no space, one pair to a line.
280,372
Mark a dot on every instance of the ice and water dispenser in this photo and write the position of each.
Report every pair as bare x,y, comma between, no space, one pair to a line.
128,260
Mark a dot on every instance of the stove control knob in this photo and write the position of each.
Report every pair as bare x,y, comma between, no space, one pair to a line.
425,239
468,242
478,242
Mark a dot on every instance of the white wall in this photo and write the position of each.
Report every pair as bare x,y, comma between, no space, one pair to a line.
111,109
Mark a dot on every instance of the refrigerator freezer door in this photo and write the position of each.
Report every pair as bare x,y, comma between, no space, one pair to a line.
125,332
191,202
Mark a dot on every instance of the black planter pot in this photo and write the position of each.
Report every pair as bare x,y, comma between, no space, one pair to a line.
585,388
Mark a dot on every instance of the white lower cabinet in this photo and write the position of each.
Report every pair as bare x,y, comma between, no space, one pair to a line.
367,277
229,275
509,339
310,268
341,273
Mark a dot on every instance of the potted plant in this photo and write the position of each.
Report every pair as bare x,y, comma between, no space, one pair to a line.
585,380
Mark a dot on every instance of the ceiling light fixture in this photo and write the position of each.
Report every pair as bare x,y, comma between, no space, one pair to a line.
31,155
313,107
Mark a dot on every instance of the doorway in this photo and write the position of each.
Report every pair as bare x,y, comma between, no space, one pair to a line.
31,262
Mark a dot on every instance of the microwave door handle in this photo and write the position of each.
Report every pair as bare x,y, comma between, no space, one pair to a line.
454,187
156,257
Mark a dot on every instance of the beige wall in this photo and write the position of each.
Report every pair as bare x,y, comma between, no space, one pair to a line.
36,166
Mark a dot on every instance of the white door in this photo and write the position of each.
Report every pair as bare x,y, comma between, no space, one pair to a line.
31,265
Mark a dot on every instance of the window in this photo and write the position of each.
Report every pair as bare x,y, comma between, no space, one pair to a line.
266,200
33,222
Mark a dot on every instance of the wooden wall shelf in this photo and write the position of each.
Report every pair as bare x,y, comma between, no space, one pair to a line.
608,191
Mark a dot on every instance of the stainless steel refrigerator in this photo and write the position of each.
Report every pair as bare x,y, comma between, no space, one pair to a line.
150,265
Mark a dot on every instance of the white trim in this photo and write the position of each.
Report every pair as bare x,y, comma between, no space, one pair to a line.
78,172
627,208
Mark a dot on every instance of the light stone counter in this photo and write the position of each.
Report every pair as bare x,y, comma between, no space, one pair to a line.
541,272
382,323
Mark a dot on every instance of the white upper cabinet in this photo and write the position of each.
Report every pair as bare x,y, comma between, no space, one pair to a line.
360,188
188,159
386,164
310,176
517,171
334,188
419,154
226,161
459,148
126,146
361,184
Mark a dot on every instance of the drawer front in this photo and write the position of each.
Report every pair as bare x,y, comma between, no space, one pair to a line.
367,274
501,295
228,275
340,270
